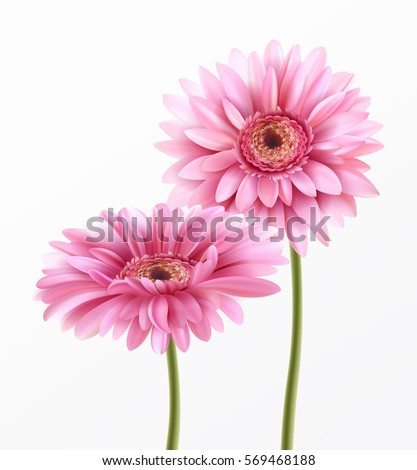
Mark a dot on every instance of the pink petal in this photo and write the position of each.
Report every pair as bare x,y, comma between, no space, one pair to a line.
349,99
232,309
268,190
315,62
159,340
89,324
171,174
337,207
75,234
301,181
242,286
210,115
204,193
285,191
316,92
233,114
229,183
69,302
361,104
143,314
263,254
205,295
114,311
239,63
146,283
324,179
324,109
235,89
300,247
58,292
181,337
174,129
273,56
57,279
326,158
369,146
180,108
339,81
69,248
367,128
201,272
325,240
190,305
211,255
191,88
247,193
355,183
127,286
211,86
100,278
292,86
194,169
131,307
302,205
201,329
250,269
348,143
326,146
135,336
270,91
69,320
180,194
120,327
338,124
176,313
297,232
85,264
109,257
357,164
292,57
158,312
220,160
211,139
256,74
180,148
213,317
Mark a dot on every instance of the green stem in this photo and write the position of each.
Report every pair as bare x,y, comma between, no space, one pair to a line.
174,398
288,419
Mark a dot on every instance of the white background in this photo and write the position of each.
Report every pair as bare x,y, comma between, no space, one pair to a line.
80,102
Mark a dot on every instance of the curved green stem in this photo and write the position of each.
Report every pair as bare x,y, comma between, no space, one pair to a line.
174,398
288,419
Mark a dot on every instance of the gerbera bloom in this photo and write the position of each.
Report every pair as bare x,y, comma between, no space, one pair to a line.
164,275
277,134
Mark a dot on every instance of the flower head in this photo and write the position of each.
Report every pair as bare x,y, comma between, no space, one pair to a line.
280,135
164,275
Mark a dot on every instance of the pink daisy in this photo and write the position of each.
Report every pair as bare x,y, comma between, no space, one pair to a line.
156,276
274,133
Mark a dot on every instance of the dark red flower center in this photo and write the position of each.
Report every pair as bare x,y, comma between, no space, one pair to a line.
272,139
159,268
273,142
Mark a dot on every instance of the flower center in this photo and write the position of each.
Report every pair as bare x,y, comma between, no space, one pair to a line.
272,139
159,268
273,142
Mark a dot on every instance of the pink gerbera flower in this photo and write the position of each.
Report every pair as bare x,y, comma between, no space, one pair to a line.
277,134
164,275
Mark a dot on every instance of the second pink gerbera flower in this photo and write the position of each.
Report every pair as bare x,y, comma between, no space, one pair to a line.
164,275
278,134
